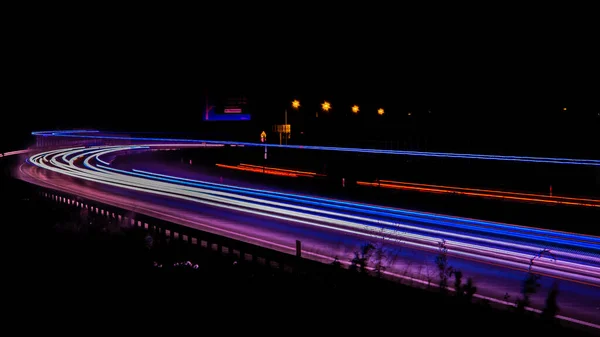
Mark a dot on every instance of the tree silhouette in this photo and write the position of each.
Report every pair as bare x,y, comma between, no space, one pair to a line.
383,258
380,257
529,287
441,261
458,283
551,308
429,274
469,290
361,258
465,291
531,283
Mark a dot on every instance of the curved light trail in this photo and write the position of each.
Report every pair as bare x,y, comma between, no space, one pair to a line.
94,134
576,256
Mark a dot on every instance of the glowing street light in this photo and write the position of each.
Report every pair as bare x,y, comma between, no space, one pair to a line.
355,109
295,104
380,111
326,106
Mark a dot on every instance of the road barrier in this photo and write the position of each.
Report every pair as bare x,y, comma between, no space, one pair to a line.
195,237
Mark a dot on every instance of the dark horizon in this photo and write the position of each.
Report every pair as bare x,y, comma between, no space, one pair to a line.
480,77
484,124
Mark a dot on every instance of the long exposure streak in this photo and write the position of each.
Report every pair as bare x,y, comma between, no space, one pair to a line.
577,257
96,135
269,170
517,196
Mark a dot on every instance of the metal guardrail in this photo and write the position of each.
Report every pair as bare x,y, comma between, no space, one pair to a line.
225,245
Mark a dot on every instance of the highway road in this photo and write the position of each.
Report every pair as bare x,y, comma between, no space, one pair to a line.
495,255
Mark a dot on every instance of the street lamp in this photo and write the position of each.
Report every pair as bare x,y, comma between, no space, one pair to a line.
286,128
355,109
380,111
325,106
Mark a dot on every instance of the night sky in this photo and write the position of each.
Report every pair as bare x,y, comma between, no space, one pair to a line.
487,75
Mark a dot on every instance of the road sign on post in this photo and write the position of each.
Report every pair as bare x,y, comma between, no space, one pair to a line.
263,139
284,131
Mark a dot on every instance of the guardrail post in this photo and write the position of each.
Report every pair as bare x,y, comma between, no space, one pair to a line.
298,248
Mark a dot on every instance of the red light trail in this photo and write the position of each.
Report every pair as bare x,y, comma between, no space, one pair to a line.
485,193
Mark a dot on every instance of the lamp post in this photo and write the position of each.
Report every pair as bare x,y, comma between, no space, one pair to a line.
295,106
285,127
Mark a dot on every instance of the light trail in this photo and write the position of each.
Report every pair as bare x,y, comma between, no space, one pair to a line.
284,170
593,241
429,188
486,242
13,153
373,209
352,206
422,216
268,170
518,196
565,161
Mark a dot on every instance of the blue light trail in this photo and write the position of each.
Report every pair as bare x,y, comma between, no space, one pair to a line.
564,161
